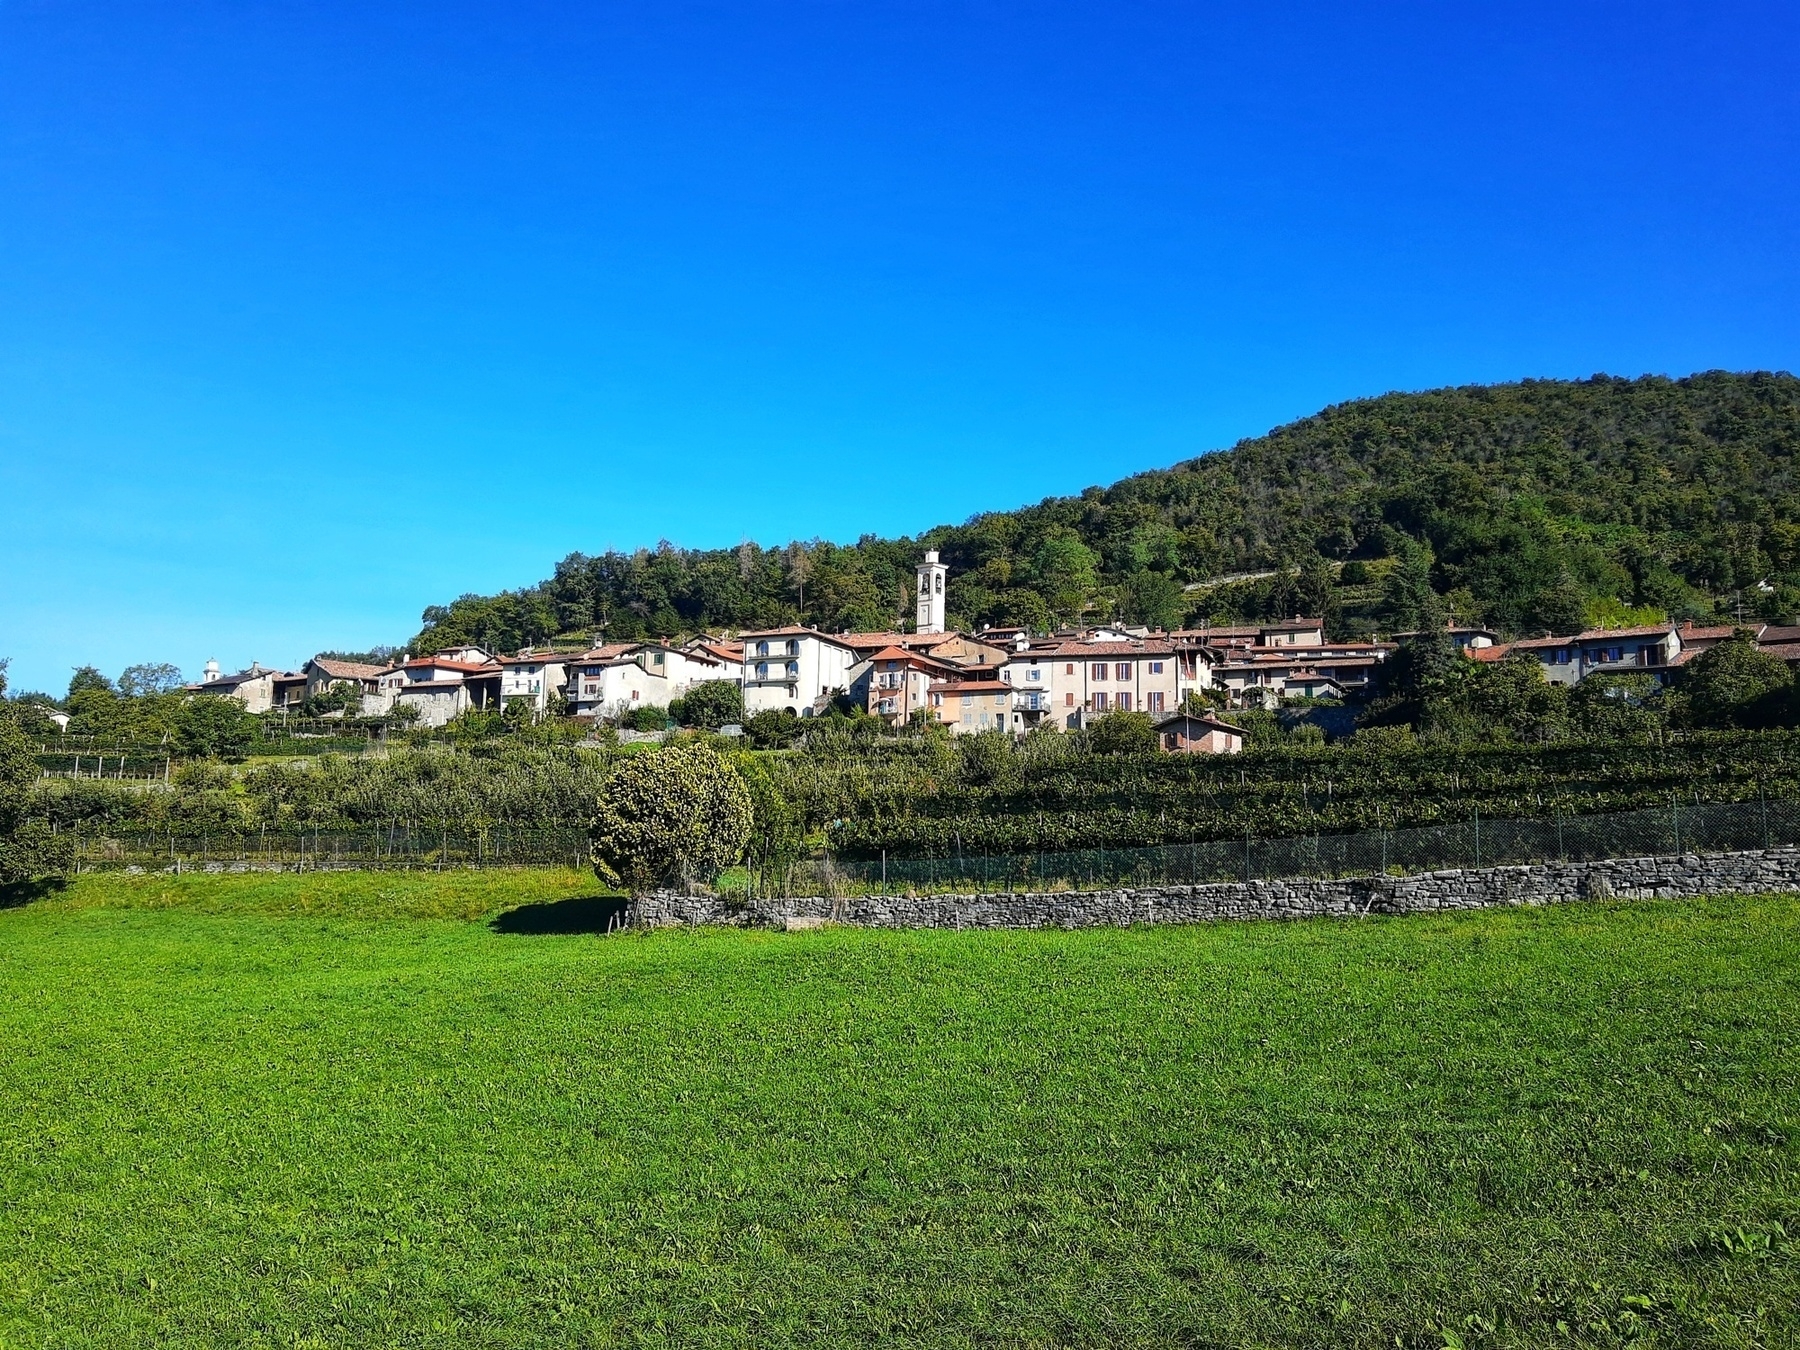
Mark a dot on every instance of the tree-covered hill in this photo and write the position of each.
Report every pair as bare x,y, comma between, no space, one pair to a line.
1539,506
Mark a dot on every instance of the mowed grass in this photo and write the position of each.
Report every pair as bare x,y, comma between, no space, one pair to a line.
245,1111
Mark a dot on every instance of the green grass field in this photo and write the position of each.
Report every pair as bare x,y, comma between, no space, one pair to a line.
349,1110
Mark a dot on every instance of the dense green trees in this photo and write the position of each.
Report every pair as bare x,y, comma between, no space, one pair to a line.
1531,507
1736,684
29,849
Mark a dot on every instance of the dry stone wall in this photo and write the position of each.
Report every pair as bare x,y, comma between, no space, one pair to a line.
1424,893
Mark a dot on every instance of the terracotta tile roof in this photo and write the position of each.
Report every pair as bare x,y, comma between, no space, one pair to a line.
540,659
1596,635
433,663
1138,647
912,658
1488,655
605,652
972,687
1774,635
920,641
793,630
348,670
1204,719
1689,630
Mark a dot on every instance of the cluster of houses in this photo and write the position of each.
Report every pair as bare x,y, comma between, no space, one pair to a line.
1002,679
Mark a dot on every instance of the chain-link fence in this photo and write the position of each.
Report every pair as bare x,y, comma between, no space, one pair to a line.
398,846
1680,827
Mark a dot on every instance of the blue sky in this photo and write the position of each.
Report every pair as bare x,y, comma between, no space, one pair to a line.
314,314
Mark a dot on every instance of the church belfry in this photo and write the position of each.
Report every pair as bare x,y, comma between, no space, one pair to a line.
931,594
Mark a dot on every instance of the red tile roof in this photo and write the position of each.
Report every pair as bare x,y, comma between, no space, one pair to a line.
1138,647
348,670
794,630
972,687
1596,635
433,663
920,641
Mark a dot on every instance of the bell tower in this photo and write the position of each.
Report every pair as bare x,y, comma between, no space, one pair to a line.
931,594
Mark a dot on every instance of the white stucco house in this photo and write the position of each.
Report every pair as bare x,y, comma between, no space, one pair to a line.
796,669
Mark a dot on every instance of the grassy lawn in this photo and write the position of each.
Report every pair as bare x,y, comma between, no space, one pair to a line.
349,1110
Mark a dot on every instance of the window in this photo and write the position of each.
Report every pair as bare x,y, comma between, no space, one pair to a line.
762,649
937,700
1156,667
1033,674
887,705
793,647
1068,700
1562,656
657,659
1000,700
968,699
1069,669
1124,702
1122,671
1099,703
793,667
1099,670
762,669
1153,701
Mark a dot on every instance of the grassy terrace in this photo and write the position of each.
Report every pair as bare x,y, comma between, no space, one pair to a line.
351,1110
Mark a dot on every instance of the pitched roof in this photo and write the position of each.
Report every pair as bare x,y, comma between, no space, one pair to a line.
923,641
912,658
1204,719
972,687
1689,630
1595,635
1136,647
796,630
605,652
347,670
434,663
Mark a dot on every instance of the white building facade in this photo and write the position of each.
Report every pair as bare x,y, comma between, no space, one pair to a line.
795,669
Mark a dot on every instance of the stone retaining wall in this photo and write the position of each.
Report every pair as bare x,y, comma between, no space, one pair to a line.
1427,892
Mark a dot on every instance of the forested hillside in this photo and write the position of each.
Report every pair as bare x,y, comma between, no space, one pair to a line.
1539,506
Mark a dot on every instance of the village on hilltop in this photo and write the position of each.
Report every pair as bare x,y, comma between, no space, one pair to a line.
998,679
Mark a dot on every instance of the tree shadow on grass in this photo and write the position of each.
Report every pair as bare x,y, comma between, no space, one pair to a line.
585,914
19,893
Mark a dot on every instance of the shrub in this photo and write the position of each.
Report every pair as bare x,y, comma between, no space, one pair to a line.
673,815
711,704
773,730
645,719
1122,733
